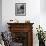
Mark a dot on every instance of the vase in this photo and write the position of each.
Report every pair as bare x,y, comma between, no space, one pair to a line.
41,43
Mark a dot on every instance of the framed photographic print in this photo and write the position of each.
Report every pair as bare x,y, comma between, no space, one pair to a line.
20,9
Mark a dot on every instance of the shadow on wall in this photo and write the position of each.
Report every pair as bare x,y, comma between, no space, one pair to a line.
43,6
0,15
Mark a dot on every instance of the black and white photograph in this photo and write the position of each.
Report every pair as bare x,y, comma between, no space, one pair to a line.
20,9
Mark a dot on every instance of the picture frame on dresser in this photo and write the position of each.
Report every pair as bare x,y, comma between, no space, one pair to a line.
20,9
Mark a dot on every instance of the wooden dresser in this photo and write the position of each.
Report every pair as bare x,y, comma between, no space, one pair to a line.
22,33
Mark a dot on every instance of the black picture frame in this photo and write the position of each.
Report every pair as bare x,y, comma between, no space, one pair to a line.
20,9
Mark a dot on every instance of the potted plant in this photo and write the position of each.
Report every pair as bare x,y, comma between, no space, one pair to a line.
41,36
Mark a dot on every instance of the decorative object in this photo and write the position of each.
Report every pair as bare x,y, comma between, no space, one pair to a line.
13,21
1,40
27,21
41,36
20,9
7,38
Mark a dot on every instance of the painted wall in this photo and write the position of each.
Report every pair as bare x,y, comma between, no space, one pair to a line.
0,15
33,13
43,14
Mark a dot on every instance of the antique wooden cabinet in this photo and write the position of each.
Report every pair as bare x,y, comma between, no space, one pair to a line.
22,33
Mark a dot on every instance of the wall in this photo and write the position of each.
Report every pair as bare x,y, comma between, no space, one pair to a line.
0,15
43,6
33,13
43,14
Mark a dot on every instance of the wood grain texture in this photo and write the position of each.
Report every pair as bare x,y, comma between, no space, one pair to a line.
23,27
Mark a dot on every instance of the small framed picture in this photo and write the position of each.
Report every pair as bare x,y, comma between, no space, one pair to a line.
20,9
